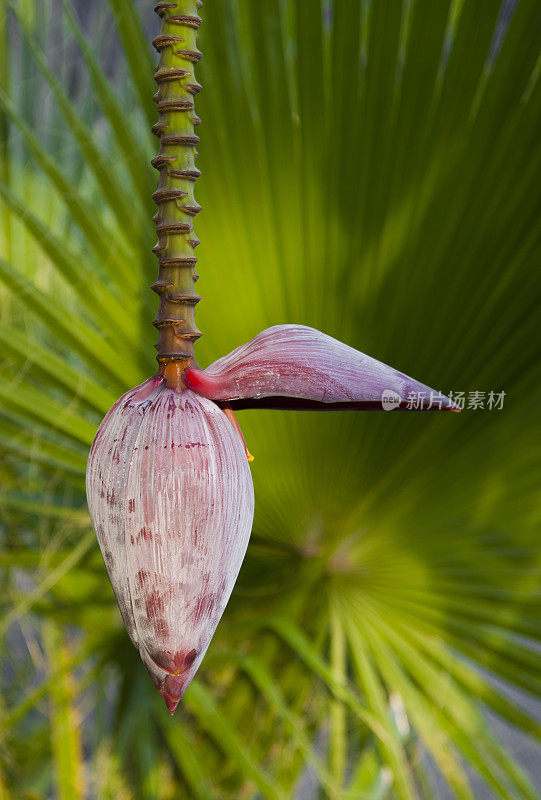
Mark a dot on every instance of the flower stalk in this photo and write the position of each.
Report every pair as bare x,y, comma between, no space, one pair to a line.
174,196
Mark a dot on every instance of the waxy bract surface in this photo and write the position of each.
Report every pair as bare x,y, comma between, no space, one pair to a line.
171,500
301,363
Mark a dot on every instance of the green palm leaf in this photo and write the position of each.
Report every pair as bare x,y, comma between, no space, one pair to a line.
370,169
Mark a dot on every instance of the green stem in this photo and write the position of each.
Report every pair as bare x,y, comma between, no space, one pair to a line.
175,161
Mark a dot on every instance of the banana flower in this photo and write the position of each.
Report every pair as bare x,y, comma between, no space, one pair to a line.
170,490
169,486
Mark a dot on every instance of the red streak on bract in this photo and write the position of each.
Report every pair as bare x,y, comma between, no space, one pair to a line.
198,381
145,535
205,606
142,577
154,604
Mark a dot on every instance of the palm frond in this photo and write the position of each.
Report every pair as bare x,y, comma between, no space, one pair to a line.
370,169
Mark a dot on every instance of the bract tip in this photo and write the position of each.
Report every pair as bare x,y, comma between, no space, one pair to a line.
170,702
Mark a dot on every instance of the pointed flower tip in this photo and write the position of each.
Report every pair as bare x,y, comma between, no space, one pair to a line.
170,702
173,687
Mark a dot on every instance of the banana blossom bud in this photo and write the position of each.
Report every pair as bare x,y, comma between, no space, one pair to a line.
170,491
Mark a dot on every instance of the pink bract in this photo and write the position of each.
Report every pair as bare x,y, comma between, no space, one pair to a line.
171,500
293,366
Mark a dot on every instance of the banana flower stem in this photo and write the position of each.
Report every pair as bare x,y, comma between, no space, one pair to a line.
174,196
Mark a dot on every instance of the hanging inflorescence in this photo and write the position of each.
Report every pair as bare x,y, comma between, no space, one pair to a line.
169,488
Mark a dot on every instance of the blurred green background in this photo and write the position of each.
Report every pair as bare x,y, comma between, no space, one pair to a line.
370,168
